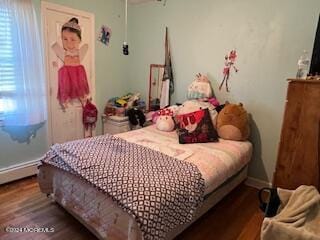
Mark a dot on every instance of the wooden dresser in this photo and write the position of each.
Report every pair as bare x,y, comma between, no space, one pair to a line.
298,159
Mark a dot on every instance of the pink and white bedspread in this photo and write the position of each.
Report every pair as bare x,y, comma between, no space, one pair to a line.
216,161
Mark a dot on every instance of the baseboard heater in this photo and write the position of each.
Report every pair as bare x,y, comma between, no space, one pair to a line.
18,171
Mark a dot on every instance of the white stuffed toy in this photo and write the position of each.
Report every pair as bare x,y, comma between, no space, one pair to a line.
165,120
200,88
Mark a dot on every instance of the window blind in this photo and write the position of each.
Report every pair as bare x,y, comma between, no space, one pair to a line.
7,63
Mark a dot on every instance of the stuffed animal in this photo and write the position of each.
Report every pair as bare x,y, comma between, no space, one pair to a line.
136,116
171,110
233,122
200,88
165,120
189,106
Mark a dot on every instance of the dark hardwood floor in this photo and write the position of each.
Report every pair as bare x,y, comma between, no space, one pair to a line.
22,204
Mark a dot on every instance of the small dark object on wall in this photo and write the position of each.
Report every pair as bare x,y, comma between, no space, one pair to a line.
125,48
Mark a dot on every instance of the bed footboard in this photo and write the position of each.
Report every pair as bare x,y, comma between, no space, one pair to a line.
94,209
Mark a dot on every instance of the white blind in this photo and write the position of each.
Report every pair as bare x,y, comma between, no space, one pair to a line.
7,70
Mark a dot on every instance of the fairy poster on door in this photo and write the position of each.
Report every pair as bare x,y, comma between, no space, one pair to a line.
69,39
72,76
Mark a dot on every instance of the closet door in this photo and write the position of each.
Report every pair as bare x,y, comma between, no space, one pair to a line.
65,124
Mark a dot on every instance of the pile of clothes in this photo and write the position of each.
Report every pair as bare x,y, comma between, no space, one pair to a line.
129,105
120,105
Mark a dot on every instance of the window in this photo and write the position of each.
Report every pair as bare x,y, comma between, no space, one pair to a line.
22,92
7,71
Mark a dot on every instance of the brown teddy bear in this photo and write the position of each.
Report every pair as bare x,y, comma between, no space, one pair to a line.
233,122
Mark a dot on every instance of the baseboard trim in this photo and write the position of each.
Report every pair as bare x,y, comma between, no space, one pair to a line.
257,183
18,171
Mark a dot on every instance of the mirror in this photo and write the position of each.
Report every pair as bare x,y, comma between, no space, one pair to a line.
155,86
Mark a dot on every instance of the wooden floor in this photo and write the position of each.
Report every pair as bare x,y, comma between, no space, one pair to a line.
22,204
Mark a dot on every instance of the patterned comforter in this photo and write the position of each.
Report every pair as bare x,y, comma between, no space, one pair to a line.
217,161
159,191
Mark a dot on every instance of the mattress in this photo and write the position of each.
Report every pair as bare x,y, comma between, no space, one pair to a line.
101,215
217,161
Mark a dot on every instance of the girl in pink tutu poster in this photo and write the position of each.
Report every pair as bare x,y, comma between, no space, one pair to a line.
72,77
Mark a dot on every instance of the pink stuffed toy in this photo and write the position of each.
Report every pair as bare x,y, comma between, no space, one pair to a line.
165,120
172,111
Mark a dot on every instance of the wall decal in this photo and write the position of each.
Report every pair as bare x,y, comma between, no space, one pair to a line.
229,63
104,35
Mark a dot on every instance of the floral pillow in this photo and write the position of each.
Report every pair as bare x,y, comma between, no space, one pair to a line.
196,127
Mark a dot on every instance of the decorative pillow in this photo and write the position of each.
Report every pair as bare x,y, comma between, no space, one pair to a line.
195,105
196,127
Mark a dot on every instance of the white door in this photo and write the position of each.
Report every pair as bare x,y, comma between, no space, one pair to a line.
65,124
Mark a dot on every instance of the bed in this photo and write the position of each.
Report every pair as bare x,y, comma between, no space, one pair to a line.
223,166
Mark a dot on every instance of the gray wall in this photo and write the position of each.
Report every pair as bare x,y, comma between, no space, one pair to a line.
268,35
111,76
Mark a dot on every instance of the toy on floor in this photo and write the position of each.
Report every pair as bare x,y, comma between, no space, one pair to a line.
233,122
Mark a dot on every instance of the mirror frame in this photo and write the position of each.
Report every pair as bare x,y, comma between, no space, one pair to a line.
153,66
